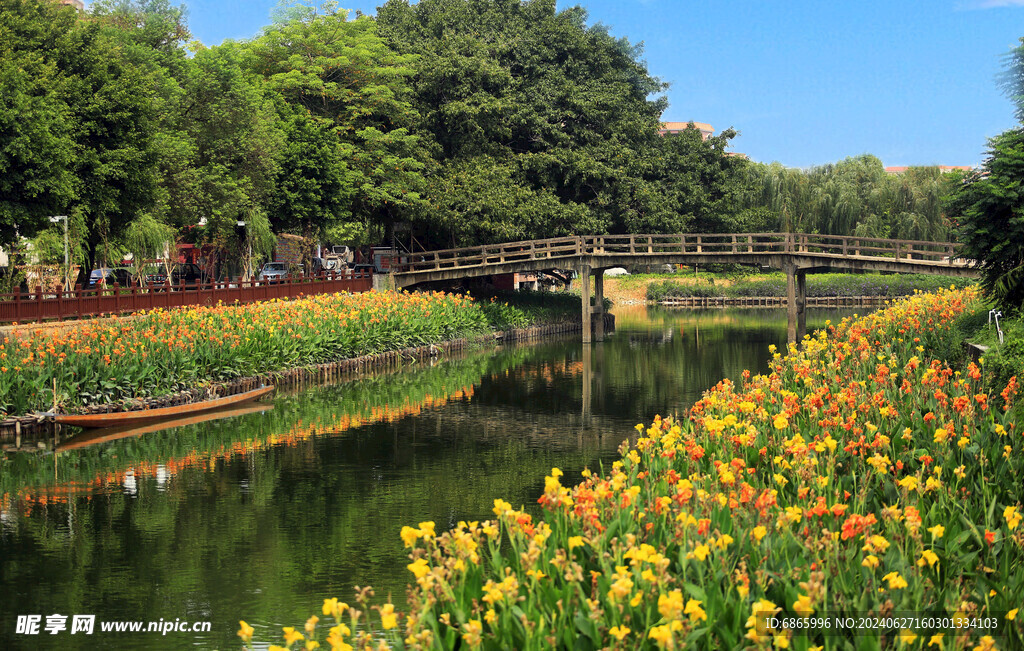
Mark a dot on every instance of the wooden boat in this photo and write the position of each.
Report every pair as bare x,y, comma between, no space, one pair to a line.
121,418
107,434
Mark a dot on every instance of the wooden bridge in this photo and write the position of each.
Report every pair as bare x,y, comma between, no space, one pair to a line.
795,253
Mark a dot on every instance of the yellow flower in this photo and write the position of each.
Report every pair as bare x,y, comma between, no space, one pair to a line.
662,635
780,422
490,616
619,632
760,532
936,640
695,612
802,606
670,605
870,561
895,580
419,567
291,636
409,537
907,636
909,482
928,557
245,632
637,598
700,552
1013,518
937,531
575,541
988,643
1012,615
311,624
473,630
388,618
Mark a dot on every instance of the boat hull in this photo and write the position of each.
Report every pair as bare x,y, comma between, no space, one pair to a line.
121,418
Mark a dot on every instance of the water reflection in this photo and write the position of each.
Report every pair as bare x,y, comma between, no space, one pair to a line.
262,515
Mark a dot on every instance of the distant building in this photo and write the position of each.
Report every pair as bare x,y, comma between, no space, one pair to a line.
678,127
77,4
945,169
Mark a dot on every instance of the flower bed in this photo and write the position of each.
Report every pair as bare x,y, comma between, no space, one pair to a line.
855,480
163,351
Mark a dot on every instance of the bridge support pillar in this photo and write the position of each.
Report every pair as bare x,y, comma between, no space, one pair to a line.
598,318
801,305
796,303
584,271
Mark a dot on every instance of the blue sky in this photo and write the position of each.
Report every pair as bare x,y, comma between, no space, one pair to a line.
805,82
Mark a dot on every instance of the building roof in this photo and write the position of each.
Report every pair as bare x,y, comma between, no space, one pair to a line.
679,126
900,169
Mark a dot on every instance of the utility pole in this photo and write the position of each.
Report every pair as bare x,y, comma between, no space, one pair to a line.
67,260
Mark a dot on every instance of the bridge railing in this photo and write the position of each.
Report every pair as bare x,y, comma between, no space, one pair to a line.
737,244
553,248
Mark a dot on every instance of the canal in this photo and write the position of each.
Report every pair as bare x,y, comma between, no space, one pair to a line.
262,515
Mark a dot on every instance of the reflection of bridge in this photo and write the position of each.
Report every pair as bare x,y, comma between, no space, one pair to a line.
795,253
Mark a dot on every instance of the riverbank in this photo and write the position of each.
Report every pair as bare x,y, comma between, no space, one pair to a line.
856,478
175,357
739,288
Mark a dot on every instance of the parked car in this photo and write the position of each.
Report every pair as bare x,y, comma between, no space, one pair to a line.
188,273
110,276
278,271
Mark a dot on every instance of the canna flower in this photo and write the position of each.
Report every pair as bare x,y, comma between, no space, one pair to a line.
802,606
1012,517
700,552
662,636
895,580
670,605
472,632
619,632
388,618
291,636
245,632
937,531
929,558
695,612
419,568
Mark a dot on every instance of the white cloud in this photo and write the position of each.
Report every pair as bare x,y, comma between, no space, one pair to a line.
991,4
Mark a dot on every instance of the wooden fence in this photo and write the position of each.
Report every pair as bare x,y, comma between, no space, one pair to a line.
39,306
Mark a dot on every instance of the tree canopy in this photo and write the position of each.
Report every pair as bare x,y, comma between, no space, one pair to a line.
989,204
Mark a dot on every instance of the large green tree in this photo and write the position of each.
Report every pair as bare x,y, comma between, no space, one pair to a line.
37,147
988,206
347,110
551,122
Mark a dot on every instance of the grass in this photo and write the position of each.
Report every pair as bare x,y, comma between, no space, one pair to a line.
818,285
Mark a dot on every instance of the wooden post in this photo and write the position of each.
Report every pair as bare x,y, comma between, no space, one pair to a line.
584,270
801,304
599,305
791,301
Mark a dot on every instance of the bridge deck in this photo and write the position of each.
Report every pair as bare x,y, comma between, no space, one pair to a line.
805,251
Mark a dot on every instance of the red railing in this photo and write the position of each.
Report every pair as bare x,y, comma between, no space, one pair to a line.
39,306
